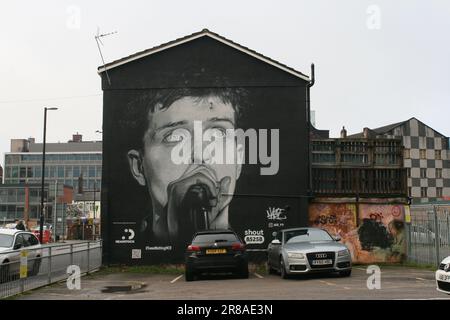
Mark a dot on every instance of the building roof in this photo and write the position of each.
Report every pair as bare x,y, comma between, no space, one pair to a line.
196,35
85,146
390,127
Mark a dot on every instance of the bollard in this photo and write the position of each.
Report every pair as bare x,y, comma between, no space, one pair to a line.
71,254
436,236
88,254
49,276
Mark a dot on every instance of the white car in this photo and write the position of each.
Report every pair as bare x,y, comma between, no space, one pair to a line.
12,242
443,276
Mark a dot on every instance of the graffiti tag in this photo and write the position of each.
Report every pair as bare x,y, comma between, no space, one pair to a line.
276,214
324,219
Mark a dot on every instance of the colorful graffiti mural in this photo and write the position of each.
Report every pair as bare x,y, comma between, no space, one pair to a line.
373,233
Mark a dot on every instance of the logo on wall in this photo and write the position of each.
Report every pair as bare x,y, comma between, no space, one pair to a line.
254,237
128,236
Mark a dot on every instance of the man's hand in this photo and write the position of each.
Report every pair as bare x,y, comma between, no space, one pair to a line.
199,178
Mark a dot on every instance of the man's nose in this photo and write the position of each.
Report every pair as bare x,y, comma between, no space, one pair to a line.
197,155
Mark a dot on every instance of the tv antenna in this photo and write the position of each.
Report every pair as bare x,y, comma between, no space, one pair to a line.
99,41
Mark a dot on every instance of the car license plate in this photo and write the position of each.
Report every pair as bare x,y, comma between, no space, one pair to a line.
322,262
444,277
216,251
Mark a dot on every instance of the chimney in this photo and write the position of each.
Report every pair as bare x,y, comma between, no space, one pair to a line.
343,132
31,140
77,137
366,133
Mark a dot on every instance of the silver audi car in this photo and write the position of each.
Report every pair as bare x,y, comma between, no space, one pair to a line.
304,250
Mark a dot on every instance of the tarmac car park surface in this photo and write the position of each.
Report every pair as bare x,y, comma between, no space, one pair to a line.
396,283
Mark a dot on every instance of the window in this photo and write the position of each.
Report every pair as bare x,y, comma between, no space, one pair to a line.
84,170
52,171
19,240
91,171
23,172
15,172
409,191
407,154
30,240
60,172
30,172
423,173
439,192
76,171
423,153
408,172
423,192
437,154
69,172
7,172
438,173
98,171
37,172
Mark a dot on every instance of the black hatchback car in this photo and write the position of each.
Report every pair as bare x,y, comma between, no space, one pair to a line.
216,251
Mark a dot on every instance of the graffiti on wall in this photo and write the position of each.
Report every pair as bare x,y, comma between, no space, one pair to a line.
375,234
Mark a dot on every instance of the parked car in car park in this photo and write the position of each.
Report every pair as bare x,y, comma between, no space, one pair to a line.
47,235
216,251
443,276
305,250
12,242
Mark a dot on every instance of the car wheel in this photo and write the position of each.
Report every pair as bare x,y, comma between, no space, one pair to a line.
283,272
36,267
189,275
4,272
346,273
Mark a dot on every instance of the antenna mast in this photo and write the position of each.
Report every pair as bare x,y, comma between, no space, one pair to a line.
99,41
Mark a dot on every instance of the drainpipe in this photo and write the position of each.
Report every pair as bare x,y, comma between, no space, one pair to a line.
308,106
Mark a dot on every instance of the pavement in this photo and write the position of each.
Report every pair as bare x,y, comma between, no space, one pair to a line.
396,282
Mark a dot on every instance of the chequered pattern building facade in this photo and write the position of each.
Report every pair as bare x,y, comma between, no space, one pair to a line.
426,157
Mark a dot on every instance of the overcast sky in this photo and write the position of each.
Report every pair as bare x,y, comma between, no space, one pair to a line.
377,62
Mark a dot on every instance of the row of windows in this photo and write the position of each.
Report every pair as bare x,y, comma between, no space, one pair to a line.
88,184
424,192
423,154
53,171
12,212
423,173
61,157
18,195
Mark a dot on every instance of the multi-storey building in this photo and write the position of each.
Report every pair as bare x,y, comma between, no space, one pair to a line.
65,163
73,167
426,158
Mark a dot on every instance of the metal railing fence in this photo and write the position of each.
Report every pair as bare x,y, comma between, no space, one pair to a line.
27,269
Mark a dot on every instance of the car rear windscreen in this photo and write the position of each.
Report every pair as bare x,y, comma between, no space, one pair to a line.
215,237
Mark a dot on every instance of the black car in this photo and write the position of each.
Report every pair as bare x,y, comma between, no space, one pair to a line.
216,251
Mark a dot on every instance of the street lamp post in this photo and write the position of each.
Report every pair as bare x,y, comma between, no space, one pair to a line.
41,227
93,221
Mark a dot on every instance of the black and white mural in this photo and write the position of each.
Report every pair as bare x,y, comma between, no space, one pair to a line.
199,136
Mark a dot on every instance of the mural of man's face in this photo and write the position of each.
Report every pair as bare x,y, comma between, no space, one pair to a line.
175,188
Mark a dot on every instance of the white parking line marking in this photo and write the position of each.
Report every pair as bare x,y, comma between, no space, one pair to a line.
347,288
177,278
258,275
328,283
420,279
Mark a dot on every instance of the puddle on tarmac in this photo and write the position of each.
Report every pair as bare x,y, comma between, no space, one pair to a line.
125,288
